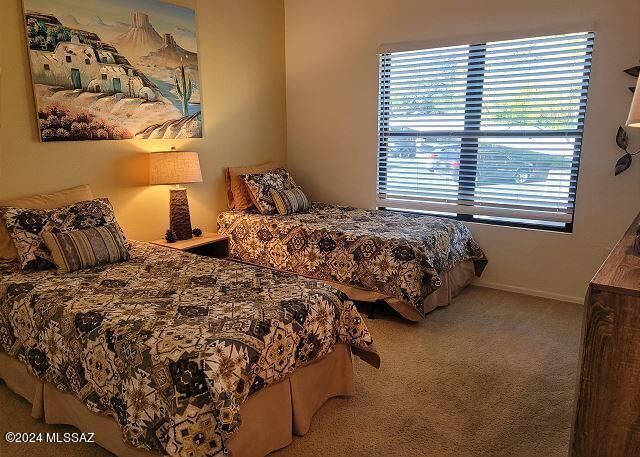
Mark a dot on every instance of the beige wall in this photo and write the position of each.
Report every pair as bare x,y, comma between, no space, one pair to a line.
241,56
331,48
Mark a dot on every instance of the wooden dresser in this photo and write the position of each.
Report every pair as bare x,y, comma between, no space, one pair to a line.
607,413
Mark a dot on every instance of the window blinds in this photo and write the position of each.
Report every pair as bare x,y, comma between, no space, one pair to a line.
489,131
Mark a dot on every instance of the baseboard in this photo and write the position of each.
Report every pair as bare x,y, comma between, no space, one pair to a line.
526,291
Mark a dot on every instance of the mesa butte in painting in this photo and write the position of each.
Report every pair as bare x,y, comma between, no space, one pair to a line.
113,69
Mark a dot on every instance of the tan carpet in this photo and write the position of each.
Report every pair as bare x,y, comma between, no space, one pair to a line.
491,375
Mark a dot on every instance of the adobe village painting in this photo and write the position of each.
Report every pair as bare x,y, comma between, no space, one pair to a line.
113,69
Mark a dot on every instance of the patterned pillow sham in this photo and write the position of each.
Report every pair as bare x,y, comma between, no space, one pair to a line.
289,201
260,184
79,249
27,225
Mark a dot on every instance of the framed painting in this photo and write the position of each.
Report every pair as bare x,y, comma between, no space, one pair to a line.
113,69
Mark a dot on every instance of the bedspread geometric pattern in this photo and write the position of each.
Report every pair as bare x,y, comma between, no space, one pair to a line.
171,344
398,254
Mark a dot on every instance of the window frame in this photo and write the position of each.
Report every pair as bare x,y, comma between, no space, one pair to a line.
474,91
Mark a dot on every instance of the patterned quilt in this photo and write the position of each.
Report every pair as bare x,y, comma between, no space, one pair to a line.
401,255
170,344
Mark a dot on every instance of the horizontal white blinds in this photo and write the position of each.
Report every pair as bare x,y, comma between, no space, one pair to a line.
492,130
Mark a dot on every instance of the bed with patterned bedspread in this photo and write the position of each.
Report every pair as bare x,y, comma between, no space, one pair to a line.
401,255
170,339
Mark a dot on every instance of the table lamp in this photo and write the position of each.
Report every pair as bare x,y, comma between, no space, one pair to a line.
176,168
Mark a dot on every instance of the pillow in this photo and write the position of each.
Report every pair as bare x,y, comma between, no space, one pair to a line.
80,249
64,197
238,196
27,225
289,201
259,185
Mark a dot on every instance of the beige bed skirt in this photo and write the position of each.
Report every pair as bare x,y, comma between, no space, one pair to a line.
270,418
453,282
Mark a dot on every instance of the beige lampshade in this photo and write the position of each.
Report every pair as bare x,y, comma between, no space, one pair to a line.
174,168
634,113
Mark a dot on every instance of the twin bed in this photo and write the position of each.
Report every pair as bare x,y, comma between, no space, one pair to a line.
170,352
173,353
413,262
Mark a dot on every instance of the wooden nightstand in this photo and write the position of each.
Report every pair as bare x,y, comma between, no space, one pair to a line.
209,245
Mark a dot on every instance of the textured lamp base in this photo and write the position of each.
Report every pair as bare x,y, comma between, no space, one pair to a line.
180,219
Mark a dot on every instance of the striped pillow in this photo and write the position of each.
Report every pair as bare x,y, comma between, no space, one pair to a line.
289,201
79,249
259,184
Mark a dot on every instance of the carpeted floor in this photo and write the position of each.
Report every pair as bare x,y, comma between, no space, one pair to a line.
491,375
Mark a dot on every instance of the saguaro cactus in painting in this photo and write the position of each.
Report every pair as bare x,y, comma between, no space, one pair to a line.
183,86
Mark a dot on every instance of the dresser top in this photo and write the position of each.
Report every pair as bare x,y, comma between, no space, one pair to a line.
620,272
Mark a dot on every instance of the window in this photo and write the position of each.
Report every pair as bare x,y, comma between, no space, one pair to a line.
104,76
87,61
68,59
488,132
47,67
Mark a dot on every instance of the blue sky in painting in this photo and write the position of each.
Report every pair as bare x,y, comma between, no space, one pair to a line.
165,17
